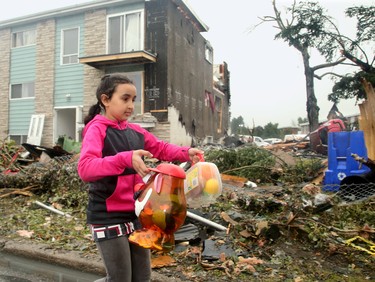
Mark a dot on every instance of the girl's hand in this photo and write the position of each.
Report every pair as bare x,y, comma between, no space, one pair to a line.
195,155
138,163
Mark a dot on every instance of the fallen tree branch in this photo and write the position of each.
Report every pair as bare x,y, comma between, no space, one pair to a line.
369,163
337,229
24,191
247,166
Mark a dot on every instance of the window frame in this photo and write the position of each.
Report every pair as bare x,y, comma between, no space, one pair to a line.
138,79
23,32
62,55
22,138
23,85
208,53
141,34
219,110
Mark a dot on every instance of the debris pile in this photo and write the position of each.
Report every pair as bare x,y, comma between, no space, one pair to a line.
279,223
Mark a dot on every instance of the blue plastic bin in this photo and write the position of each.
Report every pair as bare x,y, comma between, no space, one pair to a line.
340,162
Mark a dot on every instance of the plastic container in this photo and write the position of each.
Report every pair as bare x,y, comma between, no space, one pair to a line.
340,162
161,208
202,184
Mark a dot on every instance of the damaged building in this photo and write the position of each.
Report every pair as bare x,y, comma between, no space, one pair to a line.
52,62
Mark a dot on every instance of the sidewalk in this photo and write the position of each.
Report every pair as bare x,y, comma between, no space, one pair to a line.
70,259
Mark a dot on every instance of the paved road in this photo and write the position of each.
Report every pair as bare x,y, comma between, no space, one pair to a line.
10,275
17,269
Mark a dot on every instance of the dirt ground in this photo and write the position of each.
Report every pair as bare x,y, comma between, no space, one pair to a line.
277,252
288,261
275,232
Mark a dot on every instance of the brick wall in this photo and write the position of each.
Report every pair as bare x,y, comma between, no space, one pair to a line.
162,131
95,42
44,80
4,81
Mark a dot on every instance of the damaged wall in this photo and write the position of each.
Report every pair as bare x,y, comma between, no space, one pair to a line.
172,131
182,78
180,135
190,75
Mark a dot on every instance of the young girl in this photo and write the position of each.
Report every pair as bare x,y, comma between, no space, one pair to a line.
111,160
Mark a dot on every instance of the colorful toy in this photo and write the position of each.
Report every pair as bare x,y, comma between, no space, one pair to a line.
160,207
203,184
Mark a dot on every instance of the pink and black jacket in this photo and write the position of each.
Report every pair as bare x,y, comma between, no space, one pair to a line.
106,164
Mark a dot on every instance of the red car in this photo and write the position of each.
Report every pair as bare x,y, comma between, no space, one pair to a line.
319,137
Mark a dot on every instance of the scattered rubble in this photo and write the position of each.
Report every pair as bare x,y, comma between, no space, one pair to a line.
280,225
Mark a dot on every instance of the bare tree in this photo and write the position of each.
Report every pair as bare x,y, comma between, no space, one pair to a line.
306,27
350,85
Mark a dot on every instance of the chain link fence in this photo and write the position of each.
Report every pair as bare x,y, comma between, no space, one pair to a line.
352,191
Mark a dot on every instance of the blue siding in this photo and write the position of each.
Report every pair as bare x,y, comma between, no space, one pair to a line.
23,27
69,78
126,8
20,112
22,68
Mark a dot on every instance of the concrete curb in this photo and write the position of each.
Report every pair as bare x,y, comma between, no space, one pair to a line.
90,263
43,252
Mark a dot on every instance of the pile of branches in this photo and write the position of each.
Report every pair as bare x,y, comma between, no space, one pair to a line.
28,176
262,166
20,175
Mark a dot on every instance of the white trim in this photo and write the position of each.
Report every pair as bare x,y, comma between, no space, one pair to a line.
62,45
35,133
67,107
23,31
79,115
18,99
79,122
66,11
21,98
124,14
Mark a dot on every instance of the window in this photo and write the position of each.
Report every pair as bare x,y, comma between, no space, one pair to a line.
23,38
69,46
208,53
219,109
137,78
19,139
125,33
24,90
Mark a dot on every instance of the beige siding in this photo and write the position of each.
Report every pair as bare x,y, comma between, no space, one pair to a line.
4,81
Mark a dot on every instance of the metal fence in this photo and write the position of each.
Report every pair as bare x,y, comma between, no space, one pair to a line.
352,192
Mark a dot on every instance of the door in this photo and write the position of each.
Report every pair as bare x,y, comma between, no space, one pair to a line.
34,135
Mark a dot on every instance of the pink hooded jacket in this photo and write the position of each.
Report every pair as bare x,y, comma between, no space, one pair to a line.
106,164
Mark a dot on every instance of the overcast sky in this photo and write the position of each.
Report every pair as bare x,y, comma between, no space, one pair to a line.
267,80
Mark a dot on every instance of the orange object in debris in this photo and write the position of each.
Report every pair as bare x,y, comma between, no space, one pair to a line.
161,208
207,171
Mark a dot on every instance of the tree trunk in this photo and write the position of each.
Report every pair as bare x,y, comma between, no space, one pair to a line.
311,103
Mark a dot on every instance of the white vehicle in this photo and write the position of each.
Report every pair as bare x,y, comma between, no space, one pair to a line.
273,140
259,141
296,137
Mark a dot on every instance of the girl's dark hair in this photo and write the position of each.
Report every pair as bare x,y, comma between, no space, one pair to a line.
107,85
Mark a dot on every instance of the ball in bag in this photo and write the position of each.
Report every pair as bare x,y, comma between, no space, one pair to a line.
211,187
